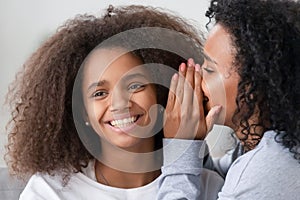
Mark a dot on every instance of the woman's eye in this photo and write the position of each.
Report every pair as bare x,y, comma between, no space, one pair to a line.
99,94
208,70
136,87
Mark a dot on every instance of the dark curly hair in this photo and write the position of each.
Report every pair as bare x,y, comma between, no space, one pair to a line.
266,37
42,134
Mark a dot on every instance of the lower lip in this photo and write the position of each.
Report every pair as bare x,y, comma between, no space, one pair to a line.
125,129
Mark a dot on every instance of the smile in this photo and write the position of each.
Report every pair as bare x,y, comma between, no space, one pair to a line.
121,123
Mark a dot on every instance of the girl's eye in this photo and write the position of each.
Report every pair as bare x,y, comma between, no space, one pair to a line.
100,94
135,87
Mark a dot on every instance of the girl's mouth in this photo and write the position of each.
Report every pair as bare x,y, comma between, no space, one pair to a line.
121,123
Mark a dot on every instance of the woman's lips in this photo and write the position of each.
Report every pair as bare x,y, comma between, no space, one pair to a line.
205,105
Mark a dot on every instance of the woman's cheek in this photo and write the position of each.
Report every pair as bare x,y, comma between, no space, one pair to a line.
215,91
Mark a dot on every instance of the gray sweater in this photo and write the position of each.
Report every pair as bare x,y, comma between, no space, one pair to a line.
267,172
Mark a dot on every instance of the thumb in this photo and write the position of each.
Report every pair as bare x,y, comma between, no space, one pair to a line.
212,117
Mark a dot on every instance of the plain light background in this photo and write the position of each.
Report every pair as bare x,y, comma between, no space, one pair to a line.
26,24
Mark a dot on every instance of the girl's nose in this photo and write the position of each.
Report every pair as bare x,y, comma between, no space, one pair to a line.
120,100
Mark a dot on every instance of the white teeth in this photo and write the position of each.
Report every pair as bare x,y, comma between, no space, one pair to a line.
123,122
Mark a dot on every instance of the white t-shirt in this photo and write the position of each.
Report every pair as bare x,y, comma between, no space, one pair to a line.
84,186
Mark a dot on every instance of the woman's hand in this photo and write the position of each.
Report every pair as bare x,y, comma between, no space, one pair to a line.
184,115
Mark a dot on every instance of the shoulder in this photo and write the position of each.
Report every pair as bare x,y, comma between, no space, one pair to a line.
269,156
40,185
267,165
45,186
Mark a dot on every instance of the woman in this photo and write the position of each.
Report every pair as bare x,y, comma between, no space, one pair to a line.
251,76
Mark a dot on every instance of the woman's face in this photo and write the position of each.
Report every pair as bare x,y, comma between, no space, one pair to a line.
118,98
220,80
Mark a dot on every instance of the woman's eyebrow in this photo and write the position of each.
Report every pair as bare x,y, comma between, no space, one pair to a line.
206,57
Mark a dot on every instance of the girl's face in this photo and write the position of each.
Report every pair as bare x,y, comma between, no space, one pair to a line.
118,98
220,80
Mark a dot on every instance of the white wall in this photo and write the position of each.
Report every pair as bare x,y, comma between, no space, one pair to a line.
25,24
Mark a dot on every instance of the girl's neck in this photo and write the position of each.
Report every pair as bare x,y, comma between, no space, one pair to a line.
120,179
128,168
142,158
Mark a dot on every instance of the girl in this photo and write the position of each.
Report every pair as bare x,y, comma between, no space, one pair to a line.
100,138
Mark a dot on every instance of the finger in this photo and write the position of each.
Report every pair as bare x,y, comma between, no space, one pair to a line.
198,94
189,84
180,84
190,62
171,96
212,117
190,72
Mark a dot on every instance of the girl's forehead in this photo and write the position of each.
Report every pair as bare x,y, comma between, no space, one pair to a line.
103,57
116,62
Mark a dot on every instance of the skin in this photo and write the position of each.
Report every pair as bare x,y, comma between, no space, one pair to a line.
211,90
116,88
121,92
185,105
220,80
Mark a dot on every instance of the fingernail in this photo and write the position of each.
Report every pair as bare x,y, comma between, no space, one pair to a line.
182,67
175,77
190,62
197,68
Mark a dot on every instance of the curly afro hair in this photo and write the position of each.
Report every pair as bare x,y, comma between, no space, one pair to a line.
42,134
266,36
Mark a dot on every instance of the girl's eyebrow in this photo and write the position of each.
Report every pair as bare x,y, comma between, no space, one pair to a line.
96,84
136,75
125,78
